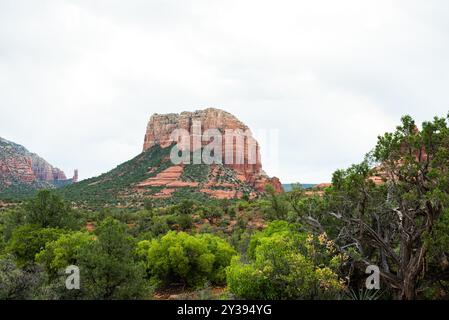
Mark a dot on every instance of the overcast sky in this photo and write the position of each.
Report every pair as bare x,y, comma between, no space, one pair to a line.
80,79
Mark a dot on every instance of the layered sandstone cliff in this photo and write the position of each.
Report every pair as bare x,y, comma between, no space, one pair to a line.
153,175
44,171
19,166
245,158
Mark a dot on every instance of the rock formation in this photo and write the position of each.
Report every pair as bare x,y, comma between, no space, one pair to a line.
44,171
20,167
75,176
153,175
248,168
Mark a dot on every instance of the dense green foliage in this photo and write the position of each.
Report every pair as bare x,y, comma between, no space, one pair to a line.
109,267
190,260
28,240
21,191
49,210
285,264
391,210
16,283
63,252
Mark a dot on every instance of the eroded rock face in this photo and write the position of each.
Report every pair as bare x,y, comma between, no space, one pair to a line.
44,171
18,165
249,170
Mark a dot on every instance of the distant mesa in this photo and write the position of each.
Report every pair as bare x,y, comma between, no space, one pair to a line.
161,126
152,175
23,171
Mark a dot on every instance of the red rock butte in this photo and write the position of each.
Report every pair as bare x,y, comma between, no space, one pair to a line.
161,126
18,165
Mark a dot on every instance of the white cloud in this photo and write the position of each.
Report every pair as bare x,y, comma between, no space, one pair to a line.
80,79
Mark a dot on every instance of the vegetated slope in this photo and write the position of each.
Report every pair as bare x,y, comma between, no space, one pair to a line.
235,136
152,175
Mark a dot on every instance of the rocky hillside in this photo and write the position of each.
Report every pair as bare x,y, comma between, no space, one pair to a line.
153,175
22,172
160,127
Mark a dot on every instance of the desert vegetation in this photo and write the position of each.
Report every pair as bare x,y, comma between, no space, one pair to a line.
390,210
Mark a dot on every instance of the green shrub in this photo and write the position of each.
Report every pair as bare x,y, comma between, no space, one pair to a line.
63,252
185,222
109,267
28,240
283,265
211,213
17,283
186,259
47,209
